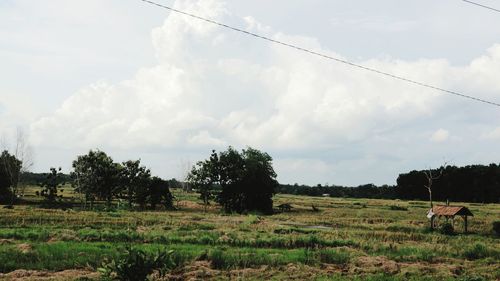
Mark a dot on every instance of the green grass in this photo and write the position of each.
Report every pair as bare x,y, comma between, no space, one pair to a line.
325,245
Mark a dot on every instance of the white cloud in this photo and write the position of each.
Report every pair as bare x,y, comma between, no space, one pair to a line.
440,135
212,87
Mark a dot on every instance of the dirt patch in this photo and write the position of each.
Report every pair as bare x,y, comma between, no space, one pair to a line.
379,264
202,270
6,241
198,270
24,248
34,275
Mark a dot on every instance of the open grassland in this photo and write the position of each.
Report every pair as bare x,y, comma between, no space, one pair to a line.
347,239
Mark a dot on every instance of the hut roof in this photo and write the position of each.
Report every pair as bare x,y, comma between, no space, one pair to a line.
451,211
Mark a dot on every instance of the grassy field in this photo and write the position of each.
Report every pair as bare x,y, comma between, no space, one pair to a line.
347,239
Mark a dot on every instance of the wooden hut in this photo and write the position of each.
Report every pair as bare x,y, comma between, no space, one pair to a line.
450,212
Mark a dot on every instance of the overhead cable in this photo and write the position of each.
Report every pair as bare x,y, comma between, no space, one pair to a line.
387,74
483,6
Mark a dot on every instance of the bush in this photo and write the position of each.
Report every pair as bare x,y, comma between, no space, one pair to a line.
496,228
447,229
136,265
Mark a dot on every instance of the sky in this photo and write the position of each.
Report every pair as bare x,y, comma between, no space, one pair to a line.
136,81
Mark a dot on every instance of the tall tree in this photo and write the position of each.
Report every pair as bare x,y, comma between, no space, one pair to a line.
247,180
159,193
97,176
135,177
203,177
10,168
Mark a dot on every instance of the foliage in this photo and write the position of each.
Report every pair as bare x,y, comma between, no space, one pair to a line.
135,180
247,179
362,191
97,176
10,168
158,193
204,176
136,265
474,183
50,185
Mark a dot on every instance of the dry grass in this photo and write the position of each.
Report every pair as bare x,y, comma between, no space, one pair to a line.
347,238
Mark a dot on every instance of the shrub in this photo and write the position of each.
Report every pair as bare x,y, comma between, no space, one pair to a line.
136,265
447,229
496,228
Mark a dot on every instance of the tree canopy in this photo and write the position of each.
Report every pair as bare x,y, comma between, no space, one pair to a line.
98,177
246,180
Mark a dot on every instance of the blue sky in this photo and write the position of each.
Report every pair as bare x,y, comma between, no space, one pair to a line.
137,82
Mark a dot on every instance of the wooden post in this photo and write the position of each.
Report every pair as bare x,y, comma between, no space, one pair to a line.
465,224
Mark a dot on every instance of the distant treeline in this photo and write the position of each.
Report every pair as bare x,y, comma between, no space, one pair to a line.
362,191
30,178
476,183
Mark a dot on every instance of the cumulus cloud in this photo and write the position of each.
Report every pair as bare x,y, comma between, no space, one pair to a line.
212,87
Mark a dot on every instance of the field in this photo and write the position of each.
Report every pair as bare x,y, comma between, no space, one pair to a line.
343,239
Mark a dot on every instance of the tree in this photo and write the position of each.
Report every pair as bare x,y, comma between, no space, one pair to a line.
135,178
203,177
23,152
159,193
97,176
10,167
247,180
51,184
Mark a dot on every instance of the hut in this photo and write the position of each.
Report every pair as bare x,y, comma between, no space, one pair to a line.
450,212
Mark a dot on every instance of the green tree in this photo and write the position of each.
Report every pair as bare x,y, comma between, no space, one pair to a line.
51,184
97,176
247,180
135,181
10,168
203,177
159,193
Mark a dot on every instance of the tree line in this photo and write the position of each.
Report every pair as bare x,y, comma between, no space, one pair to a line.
238,181
95,176
474,183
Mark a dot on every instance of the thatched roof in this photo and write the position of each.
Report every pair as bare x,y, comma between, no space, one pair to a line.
451,211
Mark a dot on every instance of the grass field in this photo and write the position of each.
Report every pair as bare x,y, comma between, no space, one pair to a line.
347,239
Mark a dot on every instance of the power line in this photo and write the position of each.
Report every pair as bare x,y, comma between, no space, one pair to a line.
325,56
483,6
